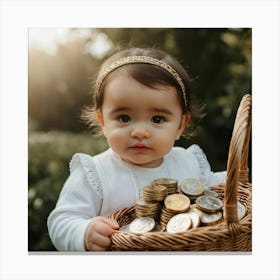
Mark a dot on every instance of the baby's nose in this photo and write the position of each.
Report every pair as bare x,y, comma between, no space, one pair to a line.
140,131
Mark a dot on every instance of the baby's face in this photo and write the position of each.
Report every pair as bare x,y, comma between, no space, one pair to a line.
141,123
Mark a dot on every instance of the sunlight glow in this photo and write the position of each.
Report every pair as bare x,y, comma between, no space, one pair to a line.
47,39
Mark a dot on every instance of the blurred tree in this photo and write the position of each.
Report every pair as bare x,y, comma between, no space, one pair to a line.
58,86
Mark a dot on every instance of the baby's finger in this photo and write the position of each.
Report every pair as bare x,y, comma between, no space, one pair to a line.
96,241
104,227
112,223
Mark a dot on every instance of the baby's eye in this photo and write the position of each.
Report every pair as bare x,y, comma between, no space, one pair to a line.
158,119
124,118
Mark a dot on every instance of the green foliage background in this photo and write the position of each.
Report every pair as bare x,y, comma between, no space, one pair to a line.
218,60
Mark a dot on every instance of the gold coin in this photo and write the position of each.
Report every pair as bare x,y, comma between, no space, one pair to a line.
163,224
164,220
148,210
177,202
169,212
144,208
142,225
211,219
143,203
154,193
209,204
155,188
153,216
192,187
179,223
193,208
166,182
170,184
165,216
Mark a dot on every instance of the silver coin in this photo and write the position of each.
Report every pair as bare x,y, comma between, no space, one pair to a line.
142,225
210,219
211,193
241,210
179,223
192,187
194,218
124,228
209,204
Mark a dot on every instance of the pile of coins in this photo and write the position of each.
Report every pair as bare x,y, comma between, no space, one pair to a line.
170,184
154,193
173,204
165,207
209,207
144,208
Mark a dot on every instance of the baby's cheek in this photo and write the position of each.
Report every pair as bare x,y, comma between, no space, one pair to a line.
165,143
116,138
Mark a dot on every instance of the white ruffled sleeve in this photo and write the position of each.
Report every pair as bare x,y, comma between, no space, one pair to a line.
80,200
208,177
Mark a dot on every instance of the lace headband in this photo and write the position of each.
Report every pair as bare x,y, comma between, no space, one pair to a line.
142,59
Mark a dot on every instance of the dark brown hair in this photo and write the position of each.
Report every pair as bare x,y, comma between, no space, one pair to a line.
149,75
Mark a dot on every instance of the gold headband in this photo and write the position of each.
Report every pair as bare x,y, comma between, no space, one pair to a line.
142,59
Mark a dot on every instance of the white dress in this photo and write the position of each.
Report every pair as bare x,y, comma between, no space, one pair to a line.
103,184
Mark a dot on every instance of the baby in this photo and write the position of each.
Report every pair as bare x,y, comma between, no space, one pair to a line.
142,104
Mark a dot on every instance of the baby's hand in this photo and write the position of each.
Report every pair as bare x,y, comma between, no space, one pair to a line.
98,234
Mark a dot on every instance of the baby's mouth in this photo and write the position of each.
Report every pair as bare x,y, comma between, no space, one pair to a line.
140,147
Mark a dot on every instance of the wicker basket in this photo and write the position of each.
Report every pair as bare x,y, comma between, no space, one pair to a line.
229,235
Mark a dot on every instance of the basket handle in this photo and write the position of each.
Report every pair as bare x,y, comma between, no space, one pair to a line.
237,164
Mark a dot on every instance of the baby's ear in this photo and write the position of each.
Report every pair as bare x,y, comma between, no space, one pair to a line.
100,119
184,122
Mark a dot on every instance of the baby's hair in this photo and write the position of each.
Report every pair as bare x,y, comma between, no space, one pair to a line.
150,67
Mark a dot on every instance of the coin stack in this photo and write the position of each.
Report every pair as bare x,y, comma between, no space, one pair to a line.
173,204
209,207
165,216
154,193
147,209
173,212
170,184
193,188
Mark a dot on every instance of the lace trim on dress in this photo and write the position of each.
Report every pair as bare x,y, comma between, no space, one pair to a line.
87,164
204,165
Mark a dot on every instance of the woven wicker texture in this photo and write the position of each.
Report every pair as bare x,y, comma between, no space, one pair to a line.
229,235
